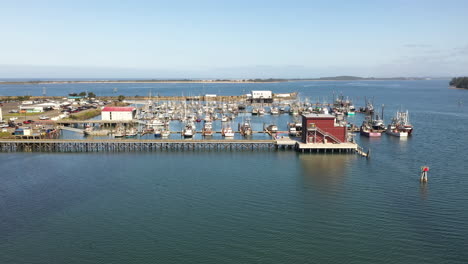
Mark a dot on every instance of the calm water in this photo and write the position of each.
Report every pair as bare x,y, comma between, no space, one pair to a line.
249,207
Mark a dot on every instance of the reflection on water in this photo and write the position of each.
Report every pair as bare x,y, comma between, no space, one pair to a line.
325,171
423,190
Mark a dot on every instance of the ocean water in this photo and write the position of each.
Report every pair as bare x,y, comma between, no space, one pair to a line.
249,206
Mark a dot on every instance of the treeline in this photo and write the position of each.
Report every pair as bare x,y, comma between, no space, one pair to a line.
459,82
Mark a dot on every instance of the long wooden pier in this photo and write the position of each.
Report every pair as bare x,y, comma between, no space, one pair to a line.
139,145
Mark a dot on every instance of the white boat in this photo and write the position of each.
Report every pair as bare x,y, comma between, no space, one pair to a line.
165,133
272,128
189,130
227,132
292,129
157,132
156,123
207,129
394,131
274,111
132,132
245,129
400,125
89,131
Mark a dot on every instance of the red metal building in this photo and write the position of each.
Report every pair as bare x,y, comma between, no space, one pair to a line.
322,128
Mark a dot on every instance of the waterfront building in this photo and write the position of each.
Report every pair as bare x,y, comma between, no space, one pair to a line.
322,128
261,97
118,113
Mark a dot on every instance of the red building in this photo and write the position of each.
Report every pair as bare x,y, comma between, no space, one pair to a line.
322,128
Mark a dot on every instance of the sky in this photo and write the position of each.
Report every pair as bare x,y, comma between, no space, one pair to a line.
232,39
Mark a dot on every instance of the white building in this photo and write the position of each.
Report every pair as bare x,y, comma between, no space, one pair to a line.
31,109
262,95
118,113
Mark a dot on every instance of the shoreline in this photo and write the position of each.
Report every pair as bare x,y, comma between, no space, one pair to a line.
191,81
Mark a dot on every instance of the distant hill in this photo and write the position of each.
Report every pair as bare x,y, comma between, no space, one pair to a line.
459,82
357,78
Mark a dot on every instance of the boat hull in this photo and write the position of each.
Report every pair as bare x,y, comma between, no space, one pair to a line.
371,134
397,133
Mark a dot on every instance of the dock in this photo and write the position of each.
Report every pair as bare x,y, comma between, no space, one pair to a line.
141,145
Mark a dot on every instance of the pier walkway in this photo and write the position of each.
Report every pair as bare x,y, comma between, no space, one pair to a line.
130,145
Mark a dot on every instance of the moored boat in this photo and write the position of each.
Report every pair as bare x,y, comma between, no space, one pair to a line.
227,132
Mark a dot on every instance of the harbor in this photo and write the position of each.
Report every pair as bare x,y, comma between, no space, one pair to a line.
259,118
261,187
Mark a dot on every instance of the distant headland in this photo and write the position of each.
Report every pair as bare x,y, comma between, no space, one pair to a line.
257,80
459,82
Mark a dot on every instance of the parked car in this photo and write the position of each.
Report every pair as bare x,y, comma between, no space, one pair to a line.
27,122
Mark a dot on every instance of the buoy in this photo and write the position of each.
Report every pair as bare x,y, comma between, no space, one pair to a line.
424,171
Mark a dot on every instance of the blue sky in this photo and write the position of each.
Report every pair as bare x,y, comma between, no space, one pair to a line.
232,39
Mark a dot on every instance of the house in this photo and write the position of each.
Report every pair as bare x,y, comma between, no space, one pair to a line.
322,128
118,113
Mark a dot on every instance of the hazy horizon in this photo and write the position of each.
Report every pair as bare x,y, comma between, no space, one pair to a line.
236,40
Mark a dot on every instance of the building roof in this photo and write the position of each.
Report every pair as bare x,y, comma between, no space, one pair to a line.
117,109
318,116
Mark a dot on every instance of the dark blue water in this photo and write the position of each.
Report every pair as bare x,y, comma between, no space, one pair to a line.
251,207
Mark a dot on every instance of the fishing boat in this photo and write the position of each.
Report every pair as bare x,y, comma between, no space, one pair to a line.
207,129
246,128
157,132
227,132
255,111
189,130
404,123
393,130
400,125
367,130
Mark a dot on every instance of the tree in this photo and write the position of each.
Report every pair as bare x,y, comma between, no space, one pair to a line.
82,94
120,98
91,95
461,82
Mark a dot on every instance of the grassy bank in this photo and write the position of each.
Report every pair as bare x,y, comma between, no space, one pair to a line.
85,115
5,135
